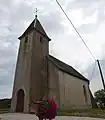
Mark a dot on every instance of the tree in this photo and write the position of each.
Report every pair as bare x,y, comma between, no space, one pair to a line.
100,98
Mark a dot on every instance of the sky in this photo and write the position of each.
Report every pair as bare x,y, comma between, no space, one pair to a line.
88,16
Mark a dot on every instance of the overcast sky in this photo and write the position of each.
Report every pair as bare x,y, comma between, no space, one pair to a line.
88,17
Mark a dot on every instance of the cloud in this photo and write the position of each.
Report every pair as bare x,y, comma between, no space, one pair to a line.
89,7
87,28
15,18
4,93
53,24
87,16
93,74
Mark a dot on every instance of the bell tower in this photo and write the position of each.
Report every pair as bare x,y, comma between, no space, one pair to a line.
31,69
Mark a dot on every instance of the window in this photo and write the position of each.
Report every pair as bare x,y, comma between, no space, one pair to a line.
26,44
85,94
26,39
41,39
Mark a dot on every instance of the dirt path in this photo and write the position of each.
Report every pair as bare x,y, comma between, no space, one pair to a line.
17,116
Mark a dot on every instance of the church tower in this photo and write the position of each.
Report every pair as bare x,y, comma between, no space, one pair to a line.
31,70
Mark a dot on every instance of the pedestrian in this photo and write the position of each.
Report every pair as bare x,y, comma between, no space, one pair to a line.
47,109
51,111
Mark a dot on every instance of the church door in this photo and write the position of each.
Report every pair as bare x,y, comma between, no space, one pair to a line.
20,101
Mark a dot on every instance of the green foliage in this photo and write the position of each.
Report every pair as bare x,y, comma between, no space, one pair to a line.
100,98
5,103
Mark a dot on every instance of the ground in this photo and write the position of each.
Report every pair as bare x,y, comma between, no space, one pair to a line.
17,116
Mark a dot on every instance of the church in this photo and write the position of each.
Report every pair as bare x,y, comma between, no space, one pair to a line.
40,76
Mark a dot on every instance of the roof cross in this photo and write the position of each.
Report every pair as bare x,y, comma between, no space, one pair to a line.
36,13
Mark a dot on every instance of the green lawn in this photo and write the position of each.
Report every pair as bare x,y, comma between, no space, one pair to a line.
99,113
6,110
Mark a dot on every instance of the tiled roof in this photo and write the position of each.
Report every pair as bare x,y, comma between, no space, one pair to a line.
66,68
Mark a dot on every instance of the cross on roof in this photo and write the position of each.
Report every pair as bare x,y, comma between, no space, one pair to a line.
36,13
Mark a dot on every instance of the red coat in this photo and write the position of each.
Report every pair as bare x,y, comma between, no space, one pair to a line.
51,112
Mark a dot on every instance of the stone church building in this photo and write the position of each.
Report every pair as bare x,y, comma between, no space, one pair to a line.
39,75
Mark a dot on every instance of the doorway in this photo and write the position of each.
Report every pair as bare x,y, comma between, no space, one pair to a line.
20,101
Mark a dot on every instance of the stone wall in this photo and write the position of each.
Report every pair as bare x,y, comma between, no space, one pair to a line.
38,66
22,74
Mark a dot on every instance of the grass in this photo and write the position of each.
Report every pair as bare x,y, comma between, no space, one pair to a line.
97,113
6,110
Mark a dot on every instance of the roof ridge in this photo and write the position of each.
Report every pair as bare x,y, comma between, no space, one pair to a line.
54,61
61,61
67,68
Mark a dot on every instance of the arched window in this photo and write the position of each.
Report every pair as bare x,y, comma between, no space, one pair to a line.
41,39
26,39
26,44
85,93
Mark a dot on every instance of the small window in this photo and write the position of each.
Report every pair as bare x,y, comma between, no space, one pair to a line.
26,39
85,94
41,39
26,44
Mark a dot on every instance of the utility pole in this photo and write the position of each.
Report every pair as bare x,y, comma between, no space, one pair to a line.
101,73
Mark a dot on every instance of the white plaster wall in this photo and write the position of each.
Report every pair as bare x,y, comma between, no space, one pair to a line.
53,83
71,92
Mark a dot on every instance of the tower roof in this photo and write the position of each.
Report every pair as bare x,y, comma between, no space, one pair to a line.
37,26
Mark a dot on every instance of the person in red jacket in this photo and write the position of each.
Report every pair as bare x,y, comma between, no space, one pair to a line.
48,108
51,111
